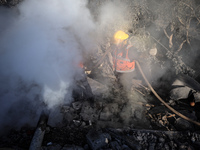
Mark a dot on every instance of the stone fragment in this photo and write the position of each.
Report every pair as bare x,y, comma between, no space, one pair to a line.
77,122
52,147
182,124
106,116
97,139
183,87
77,105
111,107
115,145
88,113
98,89
152,146
72,147
125,147
69,115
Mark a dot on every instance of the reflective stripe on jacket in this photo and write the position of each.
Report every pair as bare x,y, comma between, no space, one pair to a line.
122,63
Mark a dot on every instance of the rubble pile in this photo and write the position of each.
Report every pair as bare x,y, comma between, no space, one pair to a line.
117,119
87,138
114,124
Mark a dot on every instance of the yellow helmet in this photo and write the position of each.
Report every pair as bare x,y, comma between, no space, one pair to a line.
120,35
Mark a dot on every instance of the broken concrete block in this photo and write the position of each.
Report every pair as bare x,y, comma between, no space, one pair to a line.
89,117
69,115
98,89
106,116
52,147
86,108
77,105
115,145
111,124
125,147
182,124
77,122
97,139
112,108
88,113
182,87
65,109
72,147
109,111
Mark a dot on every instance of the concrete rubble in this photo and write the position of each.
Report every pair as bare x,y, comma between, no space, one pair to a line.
112,118
97,140
116,139
114,124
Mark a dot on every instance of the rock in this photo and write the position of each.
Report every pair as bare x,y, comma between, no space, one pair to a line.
182,147
86,147
109,111
182,124
152,146
77,122
161,139
98,89
193,139
182,86
69,115
166,146
153,51
55,117
97,139
77,105
125,147
88,113
106,116
103,124
139,138
111,107
65,109
72,147
52,147
115,145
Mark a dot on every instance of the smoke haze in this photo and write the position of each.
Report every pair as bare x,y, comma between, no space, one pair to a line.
42,42
41,46
153,18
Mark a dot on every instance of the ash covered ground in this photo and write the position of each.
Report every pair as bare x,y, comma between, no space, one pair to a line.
43,42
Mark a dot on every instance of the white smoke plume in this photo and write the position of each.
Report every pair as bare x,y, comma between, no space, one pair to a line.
41,45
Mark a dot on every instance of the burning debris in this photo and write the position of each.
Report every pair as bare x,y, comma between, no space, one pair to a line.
137,89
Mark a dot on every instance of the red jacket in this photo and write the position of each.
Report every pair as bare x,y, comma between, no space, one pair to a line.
121,60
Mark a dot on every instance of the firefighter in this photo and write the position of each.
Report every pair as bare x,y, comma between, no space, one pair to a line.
124,57
122,62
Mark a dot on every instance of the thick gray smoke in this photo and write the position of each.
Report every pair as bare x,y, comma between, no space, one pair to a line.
42,42
156,25
41,45
174,24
